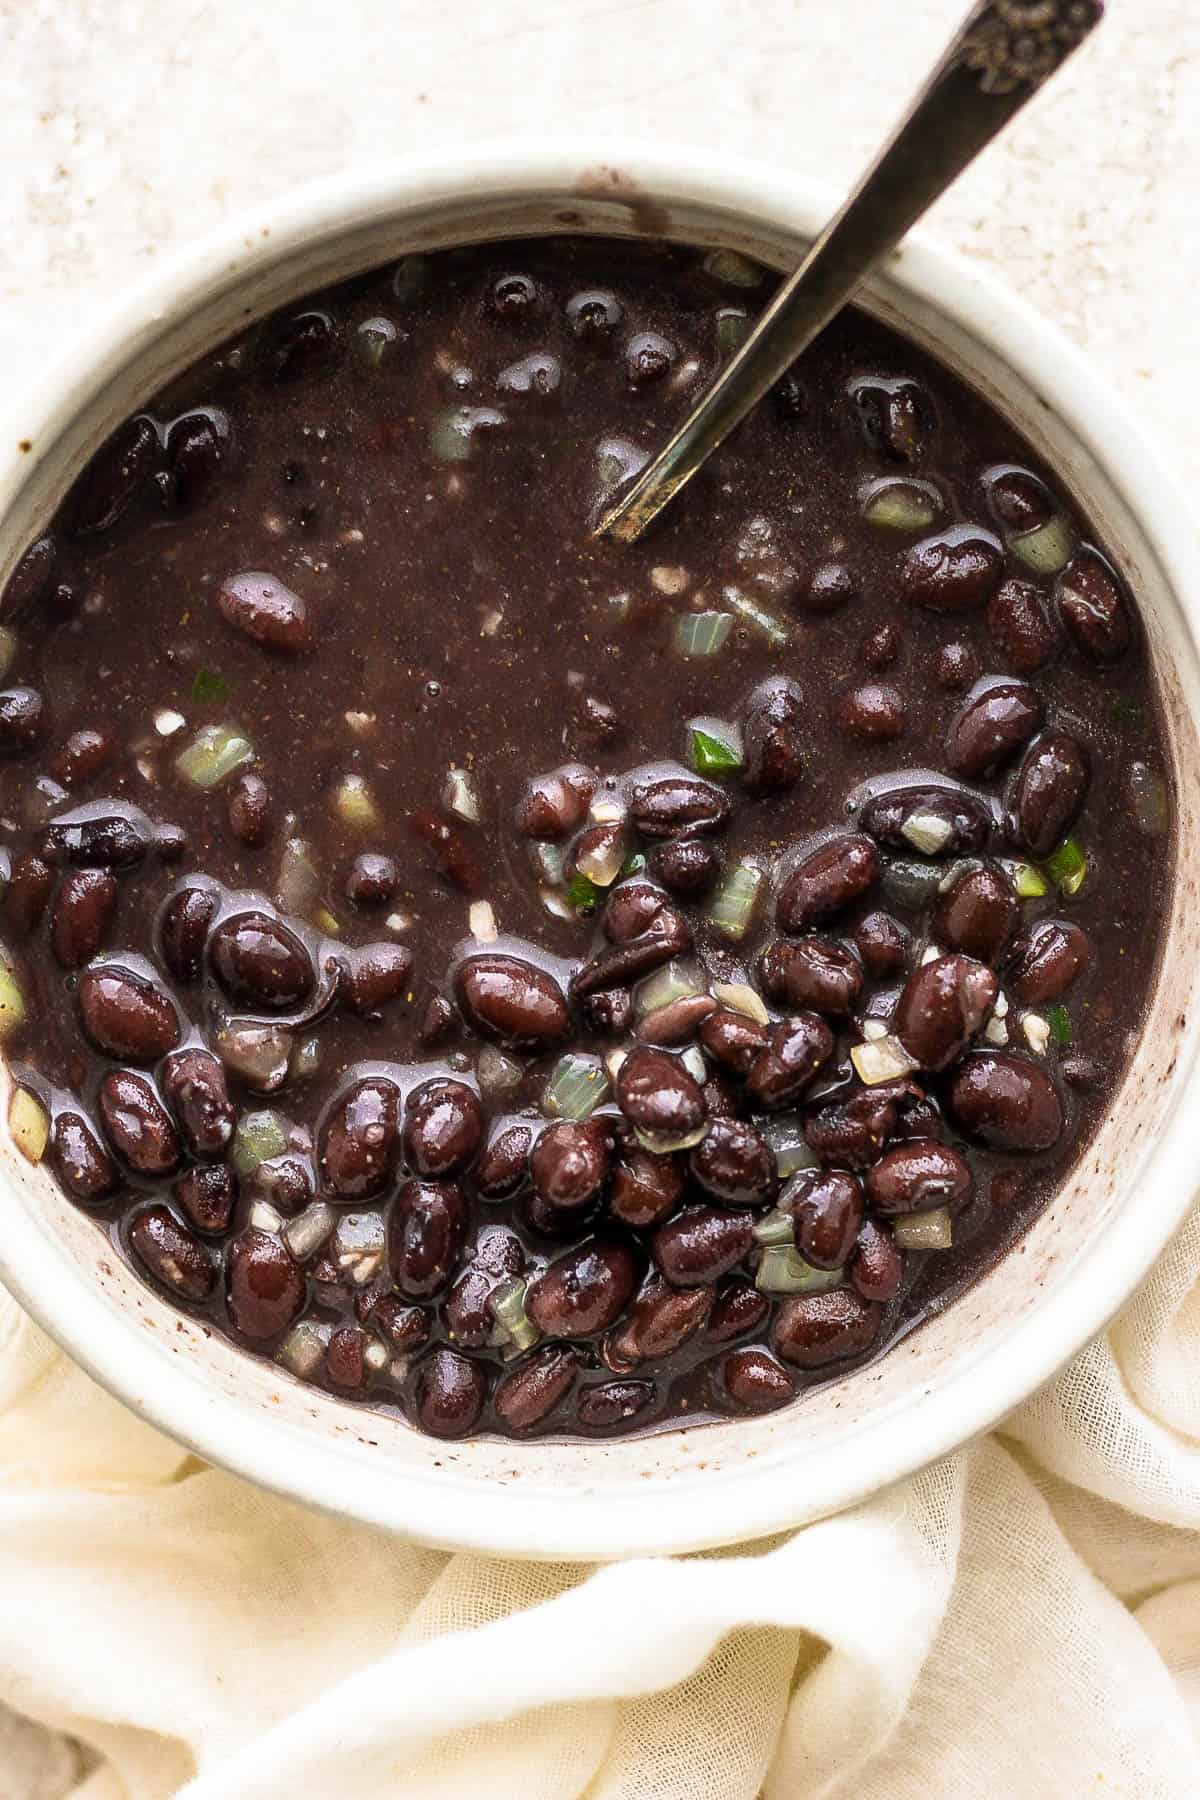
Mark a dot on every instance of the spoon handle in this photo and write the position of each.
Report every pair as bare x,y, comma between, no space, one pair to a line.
1000,56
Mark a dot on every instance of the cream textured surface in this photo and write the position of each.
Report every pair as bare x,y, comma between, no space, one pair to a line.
1024,1619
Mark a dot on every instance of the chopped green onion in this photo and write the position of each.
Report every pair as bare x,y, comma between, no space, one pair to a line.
209,685
1067,866
1046,549
901,505
784,1271
354,804
577,1086
927,832
633,865
28,1124
775,1230
772,628
1059,1021
710,754
259,1137
583,893
213,754
325,921
514,1328
1028,882
676,980
733,328
785,1134
375,339
732,907
702,633
735,270
881,1059
12,1002
925,1230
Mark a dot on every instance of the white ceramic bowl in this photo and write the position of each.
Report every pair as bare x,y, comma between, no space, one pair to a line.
680,1490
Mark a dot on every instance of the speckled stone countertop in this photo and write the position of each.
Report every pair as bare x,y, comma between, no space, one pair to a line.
128,127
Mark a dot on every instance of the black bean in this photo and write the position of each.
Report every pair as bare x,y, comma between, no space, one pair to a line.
249,807
584,1291
198,445
687,866
882,943
504,1165
372,880
658,1094
1093,608
172,1255
992,727
611,1404
814,1329
344,1365
674,804
966,814
425,1233
512,1002
85,753
956,667
827,1209
826,881
529,1393
1047,959
954,572
895,416
206,1195
752,1381
83,913
513,298
645,1189
21,719
817,973
648,358
193,1082
772,739
1019,500
668,935
1082,1072
257,959
877,1265
943,1005
264,1286
733,1039
798,1048
880,650
660,1320
267,612
555,805
301,345
97,840
737,1309
405,1327
183,931
467,1309
454,853
873,712
702,1242
80,1160
830,586
286,1182
720,1098
1020,626
137,1124
31,579
594,315
678,1021
1006,1101
360,1142
1049,791
122,468
917,1176
125,1014
570,1162
449,1393
850,1134
978,915
599,723
443,1127
373,974
631,908
28,891
734,1163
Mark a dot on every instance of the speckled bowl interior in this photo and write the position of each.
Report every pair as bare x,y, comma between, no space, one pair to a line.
959,1372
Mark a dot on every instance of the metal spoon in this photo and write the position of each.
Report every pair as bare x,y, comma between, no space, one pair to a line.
1001,55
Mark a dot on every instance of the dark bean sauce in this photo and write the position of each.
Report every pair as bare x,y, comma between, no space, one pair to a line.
535,985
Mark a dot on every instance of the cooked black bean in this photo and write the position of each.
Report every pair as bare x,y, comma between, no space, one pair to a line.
772,738
659,1095
504,1164
96,839
555,805
674,804
137,1124
360,1142
594,315
125,1014
611,1404
955,572
944,1003
206,1195
193,1082
84,754
405,1327
249,807
978,915
753,1381
956,667
817,973
882,943
798,1048
1021,628
449,1393
443,1127
895,417
21,719
687,866
373,974
1047,959
122,468
668,935
702,1242
267,612
467,1307
826,881
1019,500
827,1209
183,931
850,1134
645,1189
1049,791
31,580
678,1021
83,913
733,1039
257,959
80,1160
874,712
344,1354
1092,607
660,1320
648,358
373,879
966,816
30,886
917,1176
992,727
172,1255
584,1291
199,446
425,1233
512,1002
570,1162
632,908
734,1163
530,1392
877,1266
1007,1101
737,1309
812,1330
880,650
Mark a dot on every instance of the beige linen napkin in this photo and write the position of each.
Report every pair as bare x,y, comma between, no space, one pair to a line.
1022,1619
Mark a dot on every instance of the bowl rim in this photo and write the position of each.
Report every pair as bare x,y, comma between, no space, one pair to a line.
750,1502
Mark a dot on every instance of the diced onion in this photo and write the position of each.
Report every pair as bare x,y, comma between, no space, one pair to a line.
775,1229
499,1076
308,1229
482,921
1046,549
259,1054
213,755
1000,1010
556,902
927,832
577,1086
677,980
693,1061
772,628
902,505
358,1245
514,1328
355,805
459,796
784,1271
377,1356
874,1029
661,1143
735,270
785,1134
613,1061
12,1002
167,722
702,633
265,1217
303,1348
925,1230
996,1032
1036,1031
603,864
298,883
28,1124
732,907
740,997
670,579
1067,866
929,954
259,1137
885,1059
